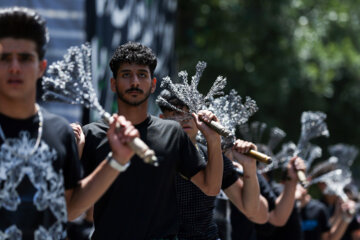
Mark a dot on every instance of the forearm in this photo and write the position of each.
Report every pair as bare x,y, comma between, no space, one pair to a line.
262,215
336,220
250,193
337,230
235,194
284,205
214,169
90,189
80,150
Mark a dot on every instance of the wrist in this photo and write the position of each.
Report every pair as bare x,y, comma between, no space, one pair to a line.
214,140
347,218
249,170
291,182
115,164
249,176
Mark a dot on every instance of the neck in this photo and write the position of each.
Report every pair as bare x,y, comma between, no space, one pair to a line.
134,114
17,109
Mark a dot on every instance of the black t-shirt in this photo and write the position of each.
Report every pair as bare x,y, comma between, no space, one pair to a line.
353,226
32,200
141,203
291,230
196,208
314,220
241,226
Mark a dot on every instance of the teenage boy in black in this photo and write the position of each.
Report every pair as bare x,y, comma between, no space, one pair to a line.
40,186
141,204
338,210
280,207
197,209
353,230
316,222
314,216
292,228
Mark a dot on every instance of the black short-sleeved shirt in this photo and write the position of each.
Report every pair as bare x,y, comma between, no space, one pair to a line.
196,208
291,230
242,227
141,203
314,220
353,226
32,200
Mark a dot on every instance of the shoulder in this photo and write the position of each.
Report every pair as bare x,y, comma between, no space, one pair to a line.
165,126
160,122
315,204
265,188
98,128
52,118
202,147
263,182
56,123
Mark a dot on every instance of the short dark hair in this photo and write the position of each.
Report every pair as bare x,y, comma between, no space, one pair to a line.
24,23
133,52
170,98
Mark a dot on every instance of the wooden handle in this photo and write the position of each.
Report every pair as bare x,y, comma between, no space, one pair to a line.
302,178
221,130
261,157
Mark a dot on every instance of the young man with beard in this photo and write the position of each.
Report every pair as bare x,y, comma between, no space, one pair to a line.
141,204
40,186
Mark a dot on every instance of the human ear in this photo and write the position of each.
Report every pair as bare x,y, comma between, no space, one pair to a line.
153,85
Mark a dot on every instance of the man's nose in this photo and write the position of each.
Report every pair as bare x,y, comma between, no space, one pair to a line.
14,66
135,81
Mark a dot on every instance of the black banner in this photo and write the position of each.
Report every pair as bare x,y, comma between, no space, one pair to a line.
111,23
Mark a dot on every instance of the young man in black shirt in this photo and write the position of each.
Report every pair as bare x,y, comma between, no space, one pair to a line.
280,207
292,228
341,212
40,186
315,217
141,204
197,209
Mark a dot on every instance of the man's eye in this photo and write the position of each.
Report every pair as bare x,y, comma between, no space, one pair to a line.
25,58
5,58
125,75
142,75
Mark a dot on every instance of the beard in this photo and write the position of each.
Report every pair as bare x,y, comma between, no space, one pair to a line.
134,103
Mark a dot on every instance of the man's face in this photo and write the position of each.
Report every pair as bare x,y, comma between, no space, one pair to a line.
133,84
187,122
20,68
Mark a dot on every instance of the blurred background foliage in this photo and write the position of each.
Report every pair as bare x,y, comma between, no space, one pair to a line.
290,56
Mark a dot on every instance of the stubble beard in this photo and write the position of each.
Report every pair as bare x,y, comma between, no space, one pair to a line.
122,97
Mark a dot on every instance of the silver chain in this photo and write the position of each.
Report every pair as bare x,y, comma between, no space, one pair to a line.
40,131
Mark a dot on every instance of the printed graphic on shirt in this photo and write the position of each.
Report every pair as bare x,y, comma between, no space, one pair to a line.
309,225
16,164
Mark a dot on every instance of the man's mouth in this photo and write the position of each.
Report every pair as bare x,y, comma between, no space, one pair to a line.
15,81
186,127
134,91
